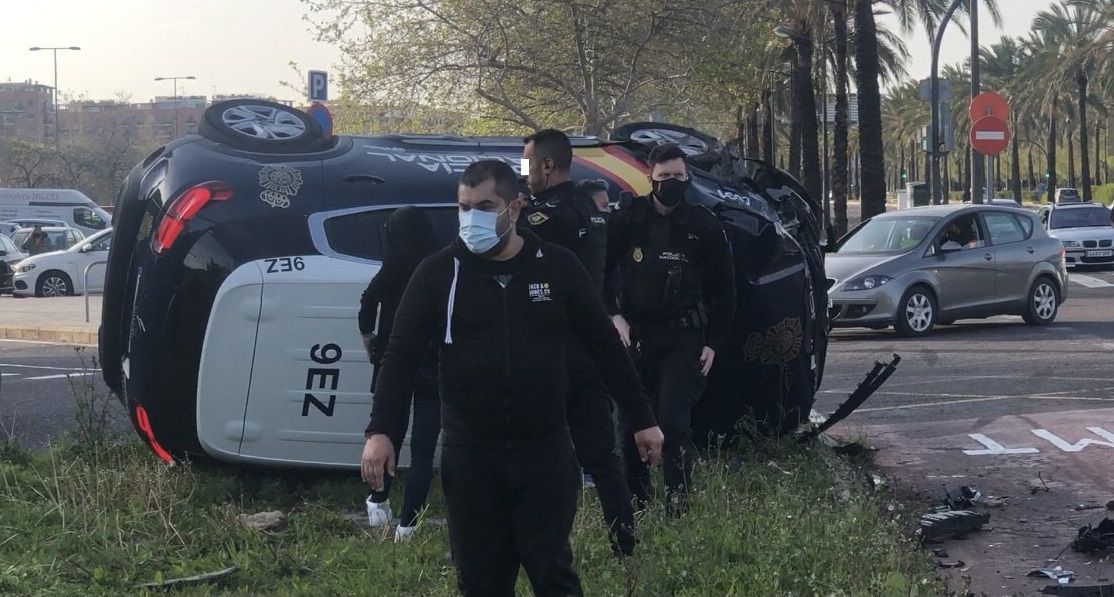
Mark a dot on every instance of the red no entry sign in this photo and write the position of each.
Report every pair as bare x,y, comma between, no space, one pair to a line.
990,135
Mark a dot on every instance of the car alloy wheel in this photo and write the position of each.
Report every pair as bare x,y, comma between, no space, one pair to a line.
263,122
1044,300
55,286
918,312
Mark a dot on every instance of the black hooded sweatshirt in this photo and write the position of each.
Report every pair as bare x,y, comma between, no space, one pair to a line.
410,239
502,329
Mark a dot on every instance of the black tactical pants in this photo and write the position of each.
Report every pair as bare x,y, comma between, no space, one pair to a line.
669,363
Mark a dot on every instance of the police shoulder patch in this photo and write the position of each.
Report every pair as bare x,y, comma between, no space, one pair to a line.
536,218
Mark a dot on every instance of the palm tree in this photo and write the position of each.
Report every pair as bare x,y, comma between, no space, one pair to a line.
909,13
1001,70
801,18
839,141
1077,26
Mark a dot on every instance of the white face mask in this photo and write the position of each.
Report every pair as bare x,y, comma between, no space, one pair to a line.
479,230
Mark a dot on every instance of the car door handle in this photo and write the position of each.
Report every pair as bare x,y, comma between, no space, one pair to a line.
988,257
1031,250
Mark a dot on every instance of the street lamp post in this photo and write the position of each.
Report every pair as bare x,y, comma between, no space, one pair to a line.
934,84
54,100
176,79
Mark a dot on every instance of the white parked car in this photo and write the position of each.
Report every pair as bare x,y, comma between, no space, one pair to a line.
60,273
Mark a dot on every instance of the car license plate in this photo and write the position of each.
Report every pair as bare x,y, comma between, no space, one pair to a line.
1106,253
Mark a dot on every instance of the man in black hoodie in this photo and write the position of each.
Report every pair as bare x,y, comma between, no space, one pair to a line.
561,213
500,303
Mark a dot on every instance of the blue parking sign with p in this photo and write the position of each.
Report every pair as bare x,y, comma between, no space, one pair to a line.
318,86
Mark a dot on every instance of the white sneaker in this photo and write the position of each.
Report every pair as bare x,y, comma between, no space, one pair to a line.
403,534
378,513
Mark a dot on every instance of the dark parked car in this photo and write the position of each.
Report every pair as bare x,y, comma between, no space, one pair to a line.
229,318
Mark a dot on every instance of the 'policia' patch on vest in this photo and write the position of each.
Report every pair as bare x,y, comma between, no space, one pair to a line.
780,344
637,254
536,218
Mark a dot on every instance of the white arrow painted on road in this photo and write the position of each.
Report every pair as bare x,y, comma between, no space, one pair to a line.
1081,444
994,448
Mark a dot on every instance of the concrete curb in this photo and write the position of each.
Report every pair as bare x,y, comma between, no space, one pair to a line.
80,336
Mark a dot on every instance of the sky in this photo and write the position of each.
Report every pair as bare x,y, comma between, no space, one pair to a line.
244,46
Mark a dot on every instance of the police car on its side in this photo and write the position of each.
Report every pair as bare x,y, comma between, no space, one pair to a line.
239,254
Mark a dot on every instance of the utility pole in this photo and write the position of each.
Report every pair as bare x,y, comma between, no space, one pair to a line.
176,79
978,172
54,100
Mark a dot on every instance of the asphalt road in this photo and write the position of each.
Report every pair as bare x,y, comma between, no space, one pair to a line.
39,387
1022,413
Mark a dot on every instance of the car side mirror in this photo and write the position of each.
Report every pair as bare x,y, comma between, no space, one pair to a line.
86,248
950,247
3,253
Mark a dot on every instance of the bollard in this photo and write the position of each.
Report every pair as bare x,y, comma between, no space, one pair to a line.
85,285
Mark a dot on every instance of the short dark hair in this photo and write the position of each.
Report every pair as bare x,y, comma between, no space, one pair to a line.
664,153
594,185
552,144
479,172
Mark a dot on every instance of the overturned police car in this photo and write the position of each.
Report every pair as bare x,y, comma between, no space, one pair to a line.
229,315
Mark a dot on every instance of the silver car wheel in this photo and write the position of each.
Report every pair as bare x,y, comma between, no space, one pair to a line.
263,122
918,312
689,144
54,286
1044,301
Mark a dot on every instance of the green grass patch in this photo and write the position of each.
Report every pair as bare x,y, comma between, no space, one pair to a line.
770,521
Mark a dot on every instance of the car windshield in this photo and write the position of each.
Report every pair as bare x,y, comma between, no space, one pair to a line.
55,240
888,235
1080,217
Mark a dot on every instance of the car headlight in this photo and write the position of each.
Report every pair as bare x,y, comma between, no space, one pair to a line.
867,283
1072,244
23,269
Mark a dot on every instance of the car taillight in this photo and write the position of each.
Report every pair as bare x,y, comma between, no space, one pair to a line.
144,425
183,209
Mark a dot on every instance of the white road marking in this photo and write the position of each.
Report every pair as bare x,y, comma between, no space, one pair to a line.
994,448
47,343
1107,345
65,375
9,375
1081,444
1089,281
43,367
981,399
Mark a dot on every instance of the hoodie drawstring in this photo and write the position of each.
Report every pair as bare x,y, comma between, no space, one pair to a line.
452,299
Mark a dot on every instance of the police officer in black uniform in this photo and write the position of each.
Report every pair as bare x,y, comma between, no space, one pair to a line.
561,213
671,292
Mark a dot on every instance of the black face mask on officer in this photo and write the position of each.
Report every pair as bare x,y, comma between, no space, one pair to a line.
671,191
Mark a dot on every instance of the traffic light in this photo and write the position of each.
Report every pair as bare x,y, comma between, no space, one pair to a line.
904,175
1047,175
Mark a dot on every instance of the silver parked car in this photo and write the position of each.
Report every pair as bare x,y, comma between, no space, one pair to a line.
1086,231
916,268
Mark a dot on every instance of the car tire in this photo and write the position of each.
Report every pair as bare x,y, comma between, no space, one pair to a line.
1043,302
698,146
262,126
916,313
54,283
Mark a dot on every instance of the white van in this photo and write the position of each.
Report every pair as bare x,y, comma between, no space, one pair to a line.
65,205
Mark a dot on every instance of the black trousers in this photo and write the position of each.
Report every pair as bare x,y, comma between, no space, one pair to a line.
669,363
592,424
423,445
511,507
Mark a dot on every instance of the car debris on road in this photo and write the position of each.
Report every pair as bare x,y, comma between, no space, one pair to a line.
1095,538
